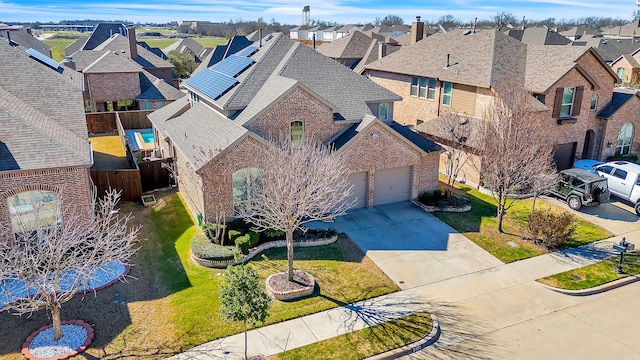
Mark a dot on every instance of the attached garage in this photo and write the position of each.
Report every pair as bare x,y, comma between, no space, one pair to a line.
392,185
359,182
564,154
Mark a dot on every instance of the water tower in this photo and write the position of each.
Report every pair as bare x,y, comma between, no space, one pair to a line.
306,15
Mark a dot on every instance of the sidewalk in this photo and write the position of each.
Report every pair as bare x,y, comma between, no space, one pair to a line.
290,334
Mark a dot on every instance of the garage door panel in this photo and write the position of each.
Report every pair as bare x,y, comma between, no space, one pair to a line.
563,155
359,190
392,185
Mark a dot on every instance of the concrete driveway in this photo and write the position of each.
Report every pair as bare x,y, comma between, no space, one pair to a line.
617,216
411,246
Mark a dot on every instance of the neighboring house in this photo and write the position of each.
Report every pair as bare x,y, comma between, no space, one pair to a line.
26,41
119,74
610,49
222,51
45,153
342,31
189,46
114,82
300,32
117,38
328,34
631,29
580,31
538,36
458,71
220,132
627,68
353,48
622,118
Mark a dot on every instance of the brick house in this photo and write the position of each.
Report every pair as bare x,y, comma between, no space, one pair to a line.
119,74
627,67
45,153
220,132
457,72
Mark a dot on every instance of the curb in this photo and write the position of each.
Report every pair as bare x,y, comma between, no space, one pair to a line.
595,290
426,341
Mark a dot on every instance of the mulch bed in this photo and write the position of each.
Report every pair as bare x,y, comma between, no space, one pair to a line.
301,280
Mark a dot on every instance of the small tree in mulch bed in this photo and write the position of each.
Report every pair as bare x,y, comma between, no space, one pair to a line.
51,256
243,298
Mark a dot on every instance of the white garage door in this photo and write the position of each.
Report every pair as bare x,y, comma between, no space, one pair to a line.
392,185
359,181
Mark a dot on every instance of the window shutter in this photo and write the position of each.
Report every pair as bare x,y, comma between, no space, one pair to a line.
577,101
557,102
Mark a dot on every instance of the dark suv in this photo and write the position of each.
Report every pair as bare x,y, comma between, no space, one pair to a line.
581,188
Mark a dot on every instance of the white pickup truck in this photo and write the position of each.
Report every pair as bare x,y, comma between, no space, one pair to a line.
623,180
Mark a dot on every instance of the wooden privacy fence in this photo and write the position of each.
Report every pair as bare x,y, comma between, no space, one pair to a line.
125,180
101,123
153,175
135,119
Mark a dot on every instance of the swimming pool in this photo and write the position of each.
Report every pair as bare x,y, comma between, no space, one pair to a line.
140,139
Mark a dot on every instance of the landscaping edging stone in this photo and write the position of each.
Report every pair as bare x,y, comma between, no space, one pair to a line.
598,289
82,348
426,341
290,295
454,209
221,264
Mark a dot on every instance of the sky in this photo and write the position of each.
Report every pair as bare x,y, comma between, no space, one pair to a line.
290,11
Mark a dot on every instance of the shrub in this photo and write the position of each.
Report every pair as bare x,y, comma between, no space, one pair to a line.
234,234
203,248
242,242
630,158
553,229
239,224
437,194
274,234
425,197
254,238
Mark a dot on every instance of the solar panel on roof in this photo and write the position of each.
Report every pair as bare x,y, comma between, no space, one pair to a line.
233,65
248,51
212,83
43,58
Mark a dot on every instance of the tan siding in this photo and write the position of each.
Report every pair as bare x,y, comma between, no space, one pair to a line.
464,99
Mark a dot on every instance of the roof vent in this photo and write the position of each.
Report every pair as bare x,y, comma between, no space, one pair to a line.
466,32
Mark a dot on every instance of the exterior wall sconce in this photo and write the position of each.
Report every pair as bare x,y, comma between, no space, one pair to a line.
374,135
609,144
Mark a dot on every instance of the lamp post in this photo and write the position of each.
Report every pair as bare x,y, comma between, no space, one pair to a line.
622,247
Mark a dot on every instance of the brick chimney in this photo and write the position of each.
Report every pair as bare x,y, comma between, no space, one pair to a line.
417,30
133,44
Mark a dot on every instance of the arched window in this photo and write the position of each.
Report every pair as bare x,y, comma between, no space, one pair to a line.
620,72
245,182
297,133
625,138
383,111
34,209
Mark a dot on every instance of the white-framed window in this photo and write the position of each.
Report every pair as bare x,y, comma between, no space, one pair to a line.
447,92
620,72
414,85
594,103
297,132
567,101
245,182
383,111
431,91
422,92
36,209
625,138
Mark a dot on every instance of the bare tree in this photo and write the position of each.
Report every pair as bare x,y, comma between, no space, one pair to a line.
457,132
391,20
52,263
516,148
298,184
504,19
544,181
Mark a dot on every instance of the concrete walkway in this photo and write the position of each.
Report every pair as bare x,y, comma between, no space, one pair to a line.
473,294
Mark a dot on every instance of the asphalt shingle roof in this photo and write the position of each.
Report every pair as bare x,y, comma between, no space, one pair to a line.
145,58
538,36
40,126
26,41
478,58
617,101
157,89
111,62
352,46
546,64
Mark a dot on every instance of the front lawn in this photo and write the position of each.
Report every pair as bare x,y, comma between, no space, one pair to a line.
172,304
595,274
481,226
367,342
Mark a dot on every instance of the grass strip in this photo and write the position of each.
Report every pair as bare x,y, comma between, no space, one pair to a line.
367,342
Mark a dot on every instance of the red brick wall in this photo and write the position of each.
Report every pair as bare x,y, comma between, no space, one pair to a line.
629,112
112,86
72,185
297,105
